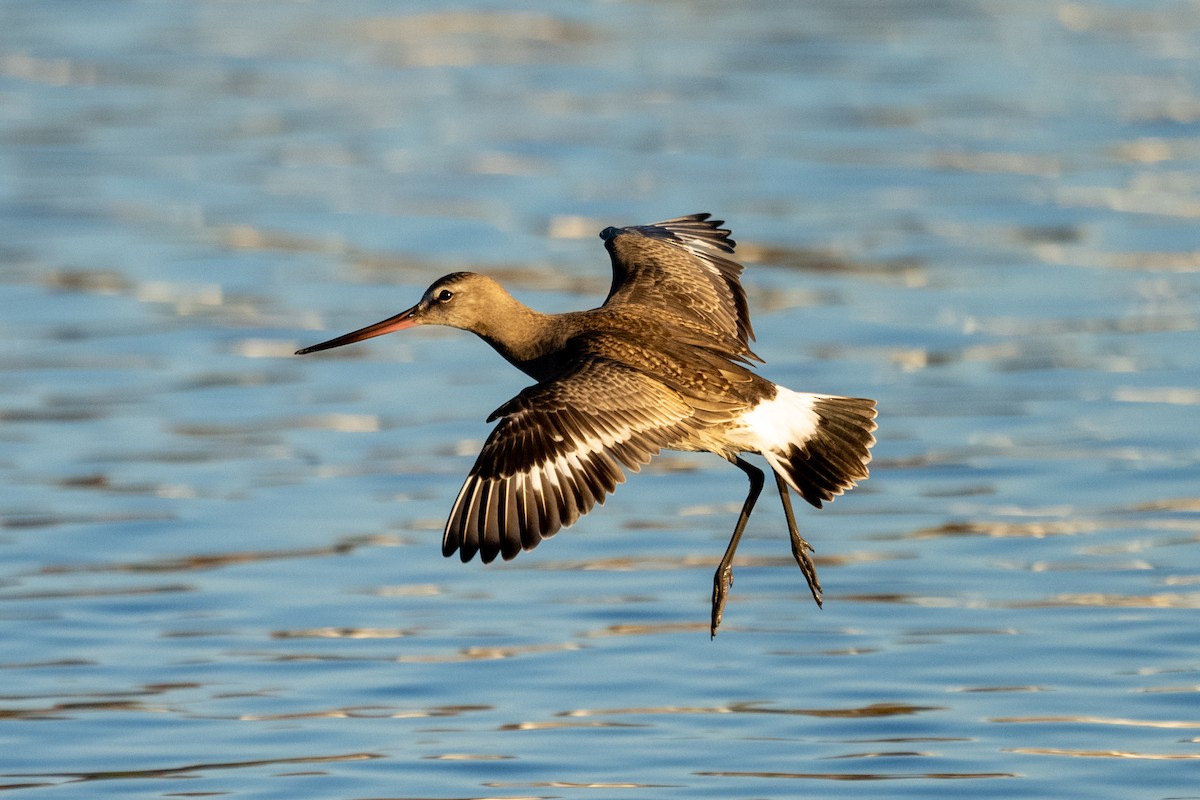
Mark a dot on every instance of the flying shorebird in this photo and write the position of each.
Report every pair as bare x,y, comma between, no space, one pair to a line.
661,364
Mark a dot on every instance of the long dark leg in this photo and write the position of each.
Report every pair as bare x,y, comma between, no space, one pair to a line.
723,579
800,547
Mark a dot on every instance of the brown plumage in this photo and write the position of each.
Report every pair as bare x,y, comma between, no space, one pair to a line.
662,364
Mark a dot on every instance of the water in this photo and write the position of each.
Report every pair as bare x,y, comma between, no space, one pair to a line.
220,562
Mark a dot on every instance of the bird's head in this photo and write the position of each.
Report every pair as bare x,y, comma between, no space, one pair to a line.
459,300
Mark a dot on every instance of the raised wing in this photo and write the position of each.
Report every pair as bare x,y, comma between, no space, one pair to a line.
679,268
558,450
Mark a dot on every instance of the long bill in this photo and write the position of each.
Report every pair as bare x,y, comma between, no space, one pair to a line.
405,319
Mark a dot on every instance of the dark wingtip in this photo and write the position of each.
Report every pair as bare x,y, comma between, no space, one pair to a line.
609,233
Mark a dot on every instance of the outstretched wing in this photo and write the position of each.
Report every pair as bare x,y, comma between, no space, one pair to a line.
558,450
679,268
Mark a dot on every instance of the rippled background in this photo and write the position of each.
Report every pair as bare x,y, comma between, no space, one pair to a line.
219,563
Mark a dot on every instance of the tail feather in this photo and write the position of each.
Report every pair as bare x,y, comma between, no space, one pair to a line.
834,454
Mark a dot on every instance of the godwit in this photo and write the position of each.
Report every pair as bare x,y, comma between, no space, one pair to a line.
661,364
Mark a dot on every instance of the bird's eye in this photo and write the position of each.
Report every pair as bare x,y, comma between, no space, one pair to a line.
445,296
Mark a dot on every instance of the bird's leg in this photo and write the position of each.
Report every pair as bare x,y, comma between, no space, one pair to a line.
723,578
800,547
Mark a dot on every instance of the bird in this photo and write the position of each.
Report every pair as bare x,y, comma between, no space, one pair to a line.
664,363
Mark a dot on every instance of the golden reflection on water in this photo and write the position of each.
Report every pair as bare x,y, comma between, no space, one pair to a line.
340,422
123,591
370,712
687,561
646,629
1171,504
250,237
464,37
1111,600
195,562
1187,689
1064,600
872,710
551,725
464,654
1171,395
864,776
345,633
68,710
573,785
190,769
1090,720
50,519
408,590
1058,751
1037,529
121,701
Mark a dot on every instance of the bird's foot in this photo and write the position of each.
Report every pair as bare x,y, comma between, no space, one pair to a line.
801,550
722,580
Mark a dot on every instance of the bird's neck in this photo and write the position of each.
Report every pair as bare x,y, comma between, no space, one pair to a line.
527,339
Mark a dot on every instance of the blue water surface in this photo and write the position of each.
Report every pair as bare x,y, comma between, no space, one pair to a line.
220,562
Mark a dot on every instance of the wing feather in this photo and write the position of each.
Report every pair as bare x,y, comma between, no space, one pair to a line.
556,452
680,268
